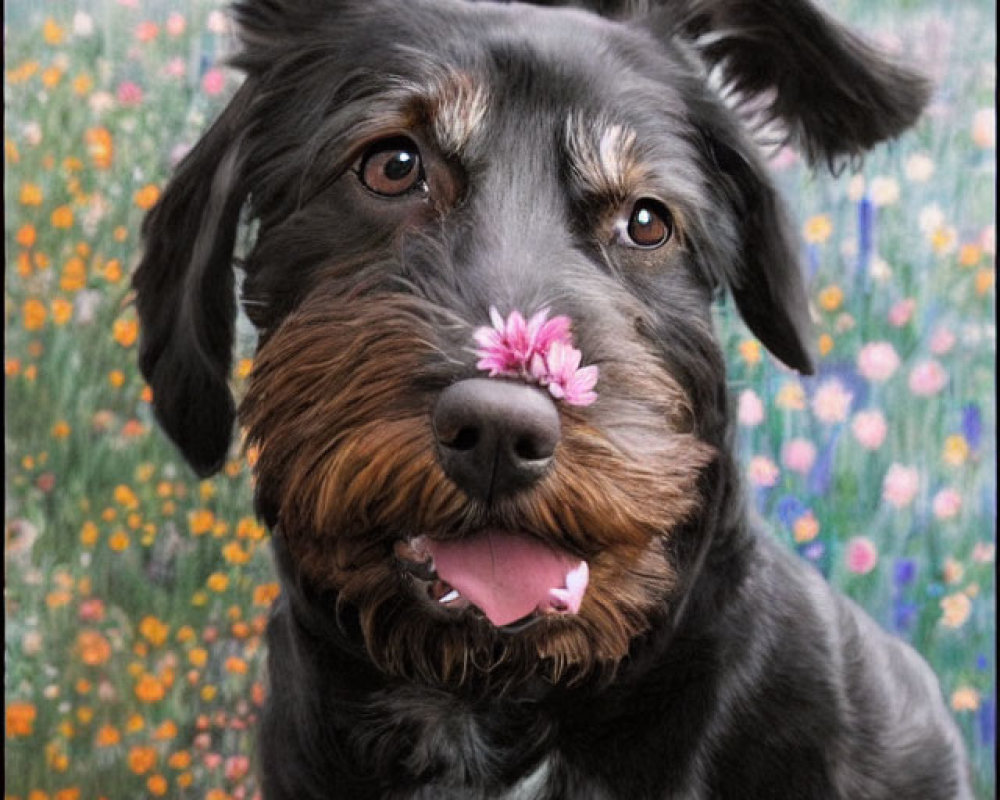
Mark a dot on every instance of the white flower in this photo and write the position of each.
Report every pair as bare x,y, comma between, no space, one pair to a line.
919,167
83,24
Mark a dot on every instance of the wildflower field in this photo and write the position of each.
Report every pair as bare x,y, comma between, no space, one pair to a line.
136,595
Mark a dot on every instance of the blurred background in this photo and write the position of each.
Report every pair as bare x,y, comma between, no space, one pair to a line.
136,596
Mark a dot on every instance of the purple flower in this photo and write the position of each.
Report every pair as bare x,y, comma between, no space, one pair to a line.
904,572
972,424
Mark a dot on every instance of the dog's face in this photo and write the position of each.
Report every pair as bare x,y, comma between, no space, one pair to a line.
412,166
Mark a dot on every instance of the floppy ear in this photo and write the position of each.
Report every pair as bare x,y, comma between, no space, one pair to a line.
757,258
833,92
185,293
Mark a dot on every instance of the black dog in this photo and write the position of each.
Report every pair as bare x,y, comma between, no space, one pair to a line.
491,411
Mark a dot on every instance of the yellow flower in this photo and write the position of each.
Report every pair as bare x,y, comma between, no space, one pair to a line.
20,719
26,235
965,698
125,331
817,229
208,693
750,351
147,196
82,84
51,32
116,378
34,314
831,298
198,657
956,450
218,582
248,528
74,275
62,311
943,239
825,344
11,152
956,609
62,217
84,714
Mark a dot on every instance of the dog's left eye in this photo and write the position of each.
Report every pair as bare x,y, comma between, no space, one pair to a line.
392,168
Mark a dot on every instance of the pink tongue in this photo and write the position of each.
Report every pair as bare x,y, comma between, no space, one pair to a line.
509,575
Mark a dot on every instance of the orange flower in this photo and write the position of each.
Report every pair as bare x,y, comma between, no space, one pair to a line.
180,760
34,314
124,496
100,147
147,196
141,759
82,84
119,541
149,689
750,351
74,275
236,665
817,229
125,331
201,521
62,311
51,32
72,793
218,582
157,785
168,730
265,594
198,656
154,631
51,77
113,271
116,378
61,429
235,554
62,217
26,235
92,647
147,31
831,298
20,719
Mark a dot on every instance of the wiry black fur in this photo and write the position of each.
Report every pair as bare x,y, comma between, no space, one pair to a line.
761,682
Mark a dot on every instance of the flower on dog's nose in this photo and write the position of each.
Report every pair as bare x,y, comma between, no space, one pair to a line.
539,350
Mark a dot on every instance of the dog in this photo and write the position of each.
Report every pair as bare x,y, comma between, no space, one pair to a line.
495,443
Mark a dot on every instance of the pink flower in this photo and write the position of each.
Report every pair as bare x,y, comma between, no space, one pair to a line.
147,31
900,485
763,471
877,361
869,428
831,402
213,81
942,340
947,503
175,68
901,312
176,24
927,378
212,760
236,767
862,555
751,409
539,350
129,93
798,455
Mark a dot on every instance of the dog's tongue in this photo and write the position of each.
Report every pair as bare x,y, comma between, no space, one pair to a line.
510,575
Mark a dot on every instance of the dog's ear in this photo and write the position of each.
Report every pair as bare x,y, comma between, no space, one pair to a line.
757,256
788,61
185,297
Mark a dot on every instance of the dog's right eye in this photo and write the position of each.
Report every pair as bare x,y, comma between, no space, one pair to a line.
392,168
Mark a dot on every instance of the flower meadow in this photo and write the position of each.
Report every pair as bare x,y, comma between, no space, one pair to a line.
136,595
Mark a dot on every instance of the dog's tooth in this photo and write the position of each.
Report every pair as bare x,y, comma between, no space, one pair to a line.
452,595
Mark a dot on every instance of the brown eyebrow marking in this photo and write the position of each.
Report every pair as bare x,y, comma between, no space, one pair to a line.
603,157
452,105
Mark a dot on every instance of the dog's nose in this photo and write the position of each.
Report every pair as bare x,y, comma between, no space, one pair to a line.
495,437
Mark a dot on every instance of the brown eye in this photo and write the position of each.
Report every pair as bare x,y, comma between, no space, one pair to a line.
650,224
392,168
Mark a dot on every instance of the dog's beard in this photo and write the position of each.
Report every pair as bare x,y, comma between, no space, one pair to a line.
339,406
